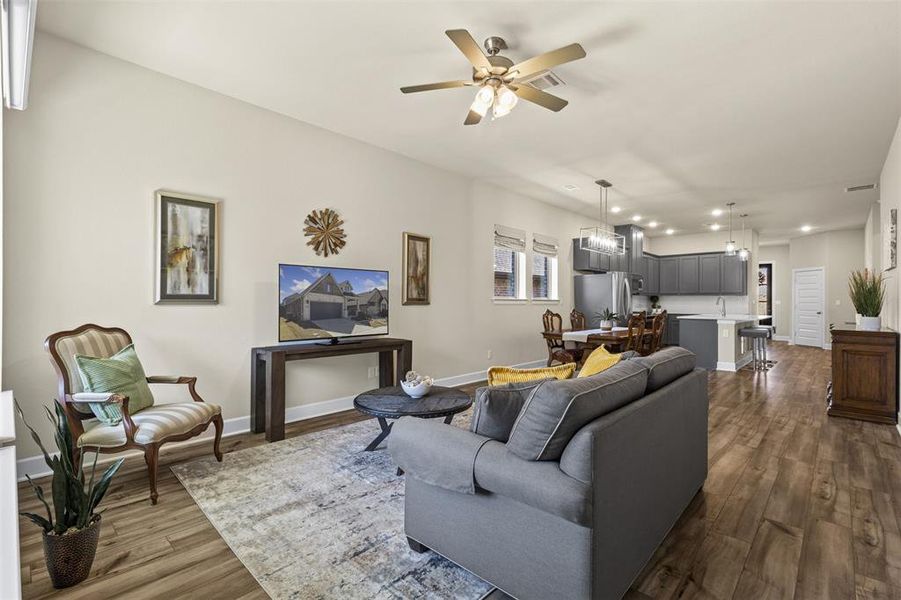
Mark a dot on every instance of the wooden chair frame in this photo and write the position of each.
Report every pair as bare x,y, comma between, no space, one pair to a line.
556,348
635,340
75,416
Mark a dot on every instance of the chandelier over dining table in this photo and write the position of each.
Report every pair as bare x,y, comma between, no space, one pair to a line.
602,239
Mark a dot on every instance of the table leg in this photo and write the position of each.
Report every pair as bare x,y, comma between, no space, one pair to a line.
386,369
404,360
386,429
275,397
257,393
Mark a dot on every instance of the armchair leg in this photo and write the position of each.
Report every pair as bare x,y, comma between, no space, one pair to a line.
151,457
217,423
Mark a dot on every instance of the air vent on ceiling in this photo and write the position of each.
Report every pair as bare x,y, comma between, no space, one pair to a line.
860,188
545,80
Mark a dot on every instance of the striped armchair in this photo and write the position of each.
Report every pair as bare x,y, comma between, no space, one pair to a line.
147,429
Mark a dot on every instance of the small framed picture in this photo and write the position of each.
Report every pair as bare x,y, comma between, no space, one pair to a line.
187,248
417,266
892,239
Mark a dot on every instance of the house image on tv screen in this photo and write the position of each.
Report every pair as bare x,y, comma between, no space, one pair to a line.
320,303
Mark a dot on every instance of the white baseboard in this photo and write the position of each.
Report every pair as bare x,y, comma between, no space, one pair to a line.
734,366
782,338
34,466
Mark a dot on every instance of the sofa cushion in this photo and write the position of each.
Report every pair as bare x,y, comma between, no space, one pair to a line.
667,365
555,410
496,408
502,375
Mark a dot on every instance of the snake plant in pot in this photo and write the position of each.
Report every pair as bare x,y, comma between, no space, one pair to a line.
72,525
607,319
867,290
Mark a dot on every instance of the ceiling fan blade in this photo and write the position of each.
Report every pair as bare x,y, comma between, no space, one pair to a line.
472,118
434,86
469,47
548,60
549,101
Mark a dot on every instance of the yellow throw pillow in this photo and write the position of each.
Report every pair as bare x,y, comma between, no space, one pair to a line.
502,375
598,361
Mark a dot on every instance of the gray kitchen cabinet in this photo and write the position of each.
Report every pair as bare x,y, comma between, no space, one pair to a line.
710,269
653,275
669,275
671,336
650,271
581,258
603,261
689,274
734,276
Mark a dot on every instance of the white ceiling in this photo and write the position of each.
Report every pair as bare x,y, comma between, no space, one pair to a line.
683,106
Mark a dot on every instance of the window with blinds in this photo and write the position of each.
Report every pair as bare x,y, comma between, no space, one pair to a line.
544,267
509,263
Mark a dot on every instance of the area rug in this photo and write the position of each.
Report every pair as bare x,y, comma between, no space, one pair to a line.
316,517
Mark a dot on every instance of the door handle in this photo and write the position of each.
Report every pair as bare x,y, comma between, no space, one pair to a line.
819,312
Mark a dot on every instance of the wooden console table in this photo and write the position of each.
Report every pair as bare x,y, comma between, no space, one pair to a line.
267,374
864,375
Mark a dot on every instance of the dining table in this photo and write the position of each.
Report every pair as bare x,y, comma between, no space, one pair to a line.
614,339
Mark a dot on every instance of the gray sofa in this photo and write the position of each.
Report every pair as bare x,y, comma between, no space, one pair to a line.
563,489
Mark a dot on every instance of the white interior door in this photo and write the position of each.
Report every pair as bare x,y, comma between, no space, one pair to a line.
808,301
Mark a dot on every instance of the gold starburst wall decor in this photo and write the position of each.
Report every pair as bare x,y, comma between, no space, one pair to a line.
324,228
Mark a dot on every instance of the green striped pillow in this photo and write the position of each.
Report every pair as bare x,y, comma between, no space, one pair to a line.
122,374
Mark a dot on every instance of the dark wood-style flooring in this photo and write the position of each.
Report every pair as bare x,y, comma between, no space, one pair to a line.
796,505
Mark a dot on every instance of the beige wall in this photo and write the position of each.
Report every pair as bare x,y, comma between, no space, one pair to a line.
889,198
782,281
102,134
872,233
838,252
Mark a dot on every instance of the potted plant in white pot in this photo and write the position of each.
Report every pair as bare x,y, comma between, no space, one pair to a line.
867,290
72,525
608,319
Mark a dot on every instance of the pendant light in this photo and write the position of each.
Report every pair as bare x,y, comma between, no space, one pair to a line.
602,239
744,254
730,244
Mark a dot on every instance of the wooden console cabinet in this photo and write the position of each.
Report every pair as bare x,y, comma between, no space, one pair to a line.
864,375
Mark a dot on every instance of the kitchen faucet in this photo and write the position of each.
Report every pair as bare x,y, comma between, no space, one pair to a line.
724,304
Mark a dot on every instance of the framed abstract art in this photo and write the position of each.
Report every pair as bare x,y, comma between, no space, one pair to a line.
417,266
187,248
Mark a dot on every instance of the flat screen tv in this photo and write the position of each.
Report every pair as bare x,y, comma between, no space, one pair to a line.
329,303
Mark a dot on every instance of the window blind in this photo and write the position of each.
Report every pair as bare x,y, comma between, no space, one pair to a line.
544,244
510,238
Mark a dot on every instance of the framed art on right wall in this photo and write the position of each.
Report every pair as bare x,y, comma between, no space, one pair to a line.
417,267
892,261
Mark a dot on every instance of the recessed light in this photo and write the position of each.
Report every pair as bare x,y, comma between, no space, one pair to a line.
570,187
652,224
715,227
636,218
615,209
806,228
716,212
670,231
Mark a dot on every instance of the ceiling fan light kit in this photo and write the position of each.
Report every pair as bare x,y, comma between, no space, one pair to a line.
502,82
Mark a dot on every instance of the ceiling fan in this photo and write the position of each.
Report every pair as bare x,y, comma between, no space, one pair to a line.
502,83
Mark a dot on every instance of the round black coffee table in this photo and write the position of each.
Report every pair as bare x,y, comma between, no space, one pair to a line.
394,403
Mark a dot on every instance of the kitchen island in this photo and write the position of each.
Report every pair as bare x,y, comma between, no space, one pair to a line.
715,340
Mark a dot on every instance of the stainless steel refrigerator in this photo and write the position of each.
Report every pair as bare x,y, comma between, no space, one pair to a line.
594,293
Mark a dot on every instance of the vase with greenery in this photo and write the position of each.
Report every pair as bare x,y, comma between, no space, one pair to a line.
607,318
72,525
867,290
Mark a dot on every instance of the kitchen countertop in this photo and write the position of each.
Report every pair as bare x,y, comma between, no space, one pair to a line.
727,320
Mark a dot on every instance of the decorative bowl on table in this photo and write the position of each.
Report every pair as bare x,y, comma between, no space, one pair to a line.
416,385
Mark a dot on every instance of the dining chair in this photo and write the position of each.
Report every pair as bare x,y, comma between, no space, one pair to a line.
658,331
146,429
552,323
635,335
577,320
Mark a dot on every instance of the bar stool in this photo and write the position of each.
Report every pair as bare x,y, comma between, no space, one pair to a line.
772,330
758,337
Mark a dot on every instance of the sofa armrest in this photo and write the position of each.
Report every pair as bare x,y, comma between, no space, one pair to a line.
540,484
436,453
95,398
